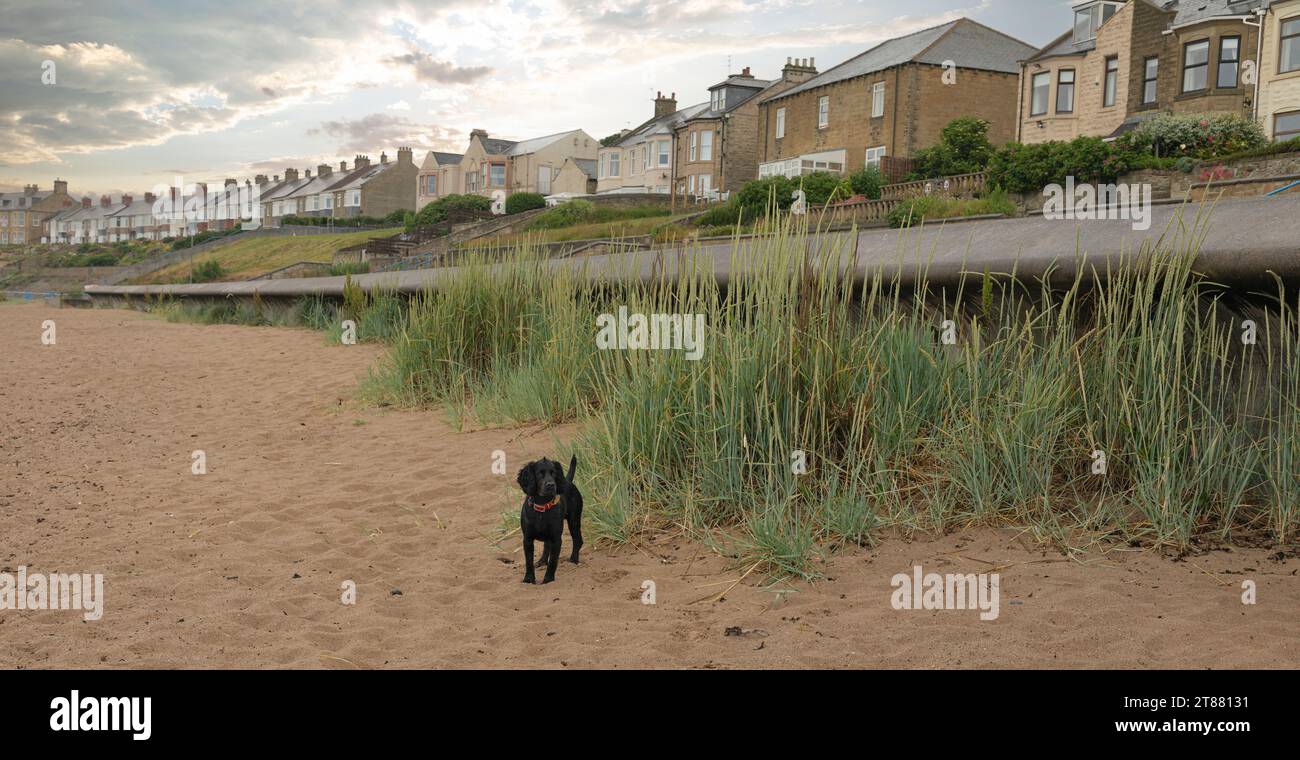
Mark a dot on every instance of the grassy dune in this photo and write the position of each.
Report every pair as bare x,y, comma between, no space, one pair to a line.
1124,407
249,258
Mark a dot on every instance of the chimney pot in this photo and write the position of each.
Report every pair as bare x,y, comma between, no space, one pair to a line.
343,166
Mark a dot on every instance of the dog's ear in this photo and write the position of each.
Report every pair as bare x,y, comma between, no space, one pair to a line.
527,479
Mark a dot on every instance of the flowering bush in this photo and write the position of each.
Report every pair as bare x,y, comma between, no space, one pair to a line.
1195,135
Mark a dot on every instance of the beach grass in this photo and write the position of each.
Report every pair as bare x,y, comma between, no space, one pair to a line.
1122,403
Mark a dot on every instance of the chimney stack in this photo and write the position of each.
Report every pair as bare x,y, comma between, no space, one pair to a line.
229,182
665,106
260,179
361,162
343,167
479,133
85,202
30,190
105,201
745,73
290,175
127,200
405,157
306,173
383,157
324,170
798,70
60,187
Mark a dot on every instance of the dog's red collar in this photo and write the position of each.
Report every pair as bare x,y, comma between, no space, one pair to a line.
543,507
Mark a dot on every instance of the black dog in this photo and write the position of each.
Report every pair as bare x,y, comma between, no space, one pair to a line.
550,500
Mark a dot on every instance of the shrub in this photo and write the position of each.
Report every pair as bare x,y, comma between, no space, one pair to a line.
1020,168
963,148
566,214
757,198
727,214
518,203
867,181
1196,135
821,188
914,211
400,216
208,270
439,210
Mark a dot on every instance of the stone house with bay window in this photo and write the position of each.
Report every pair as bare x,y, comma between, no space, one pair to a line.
528,166
1124,61
642,160
1279,96
717,149
893,100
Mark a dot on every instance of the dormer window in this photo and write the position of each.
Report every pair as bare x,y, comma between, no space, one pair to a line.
718,100
1089,16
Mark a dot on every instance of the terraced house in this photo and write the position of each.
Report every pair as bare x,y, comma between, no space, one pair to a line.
1124,61
893,100
641,161
491,164
717,148
1279,81
23,216
439,177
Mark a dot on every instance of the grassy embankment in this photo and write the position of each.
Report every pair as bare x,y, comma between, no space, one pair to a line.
245,259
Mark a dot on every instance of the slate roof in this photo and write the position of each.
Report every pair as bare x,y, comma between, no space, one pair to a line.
537,143
587,165
446,159
1195,11
970,44
662,125
22,200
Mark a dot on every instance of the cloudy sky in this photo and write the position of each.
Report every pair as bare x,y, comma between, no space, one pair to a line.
146,91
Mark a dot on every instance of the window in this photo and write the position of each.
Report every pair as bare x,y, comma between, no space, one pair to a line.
431,184
1229,60
471,182
877,100
354,198
615,161
874,155
1042,90
664,158
1084,26
1150,77
329,200
718,101
1290,46
695,145
311,203
706,183
824,112
20,218
706,145
1286,126
780,123
1065,91
497,175
1111,88
1196,65
691,184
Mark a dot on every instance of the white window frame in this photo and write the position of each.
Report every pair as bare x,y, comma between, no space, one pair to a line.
874,155
615,168
695,145
665,154
877,100
706,145
824,112
780,123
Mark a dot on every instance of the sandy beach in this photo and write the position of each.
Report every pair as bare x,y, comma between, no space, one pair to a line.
308,488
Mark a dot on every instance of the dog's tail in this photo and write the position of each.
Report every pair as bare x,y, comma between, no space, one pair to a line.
573,466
